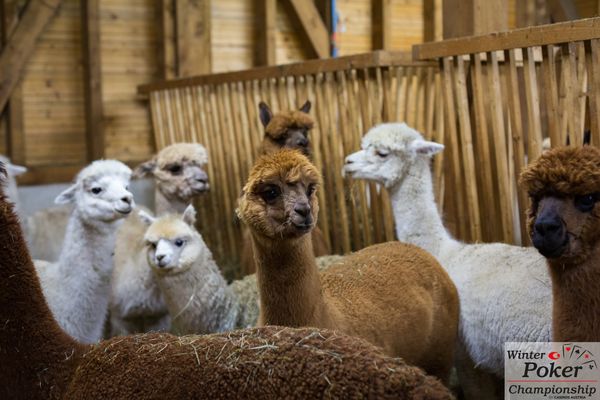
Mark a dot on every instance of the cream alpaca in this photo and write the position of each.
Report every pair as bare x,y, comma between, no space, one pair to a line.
502,288
392,294
136,303
77,286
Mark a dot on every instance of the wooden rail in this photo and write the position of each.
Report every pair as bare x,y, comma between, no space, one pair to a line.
349,95
503,95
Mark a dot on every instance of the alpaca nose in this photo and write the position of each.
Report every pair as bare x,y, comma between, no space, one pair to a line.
302,142
548,226
302,209
127,199
549,236
160,257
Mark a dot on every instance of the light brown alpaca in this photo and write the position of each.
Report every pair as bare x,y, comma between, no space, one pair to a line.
394,295
286,129
40,361
564,225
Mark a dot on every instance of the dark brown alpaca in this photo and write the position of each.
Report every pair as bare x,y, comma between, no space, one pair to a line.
286,129
39,361
564,225
394,295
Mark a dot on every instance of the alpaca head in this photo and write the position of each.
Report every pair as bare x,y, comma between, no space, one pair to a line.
279,199
564,216
178,170
172,242
287,129
388,151
101,192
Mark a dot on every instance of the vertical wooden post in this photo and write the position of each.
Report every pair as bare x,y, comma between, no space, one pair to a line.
428,20
92,78
474,17
193,28
266,15
381,11
165,22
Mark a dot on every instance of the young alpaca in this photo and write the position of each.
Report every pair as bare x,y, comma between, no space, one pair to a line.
136,303
564,187
286,129
502,288
40,361
394,295
77,286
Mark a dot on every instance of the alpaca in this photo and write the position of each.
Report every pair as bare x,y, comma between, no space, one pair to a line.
77,286
40,361
136,303
564,188
394,295
286,129
197,296
504,290
12,171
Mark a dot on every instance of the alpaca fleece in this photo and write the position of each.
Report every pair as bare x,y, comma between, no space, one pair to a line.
284,120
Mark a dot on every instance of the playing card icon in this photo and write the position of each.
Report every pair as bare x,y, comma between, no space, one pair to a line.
590,364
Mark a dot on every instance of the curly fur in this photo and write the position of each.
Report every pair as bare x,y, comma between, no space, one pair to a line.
284,120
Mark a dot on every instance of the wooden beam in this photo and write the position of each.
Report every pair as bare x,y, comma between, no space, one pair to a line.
167,54
562,10
428,20
313,26
358,61
15,133
92,78
193,26
266,29
572,31
37,175
474,17
381,11
22,43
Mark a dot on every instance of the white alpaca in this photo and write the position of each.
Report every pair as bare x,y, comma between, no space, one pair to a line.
136,303
504,290
12,171
77,286
197,296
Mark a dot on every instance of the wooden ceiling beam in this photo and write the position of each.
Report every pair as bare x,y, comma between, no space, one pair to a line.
266,45
21,44
313,26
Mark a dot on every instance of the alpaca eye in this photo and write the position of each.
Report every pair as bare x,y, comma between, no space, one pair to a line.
96,190
586,202
179,242
382,154
270,194
151,245
311,189
175,169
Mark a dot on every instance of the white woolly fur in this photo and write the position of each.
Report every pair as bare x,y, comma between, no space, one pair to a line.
77,286
504,290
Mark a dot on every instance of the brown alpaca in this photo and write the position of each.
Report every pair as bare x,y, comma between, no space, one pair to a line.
564,225
39,361
286,129
394,295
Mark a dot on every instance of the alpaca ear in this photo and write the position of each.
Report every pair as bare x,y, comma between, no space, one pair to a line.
15,170
305,107
3,173
146,218
67,196
426,148
189,215
144,169
265,113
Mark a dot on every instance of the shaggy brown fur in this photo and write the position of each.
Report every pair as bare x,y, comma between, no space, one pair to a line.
394,295
277,130
39,361
559,184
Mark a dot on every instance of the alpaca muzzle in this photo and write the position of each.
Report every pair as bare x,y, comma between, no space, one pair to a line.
550,235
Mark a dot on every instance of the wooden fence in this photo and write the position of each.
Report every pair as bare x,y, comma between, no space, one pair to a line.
503,94
349,95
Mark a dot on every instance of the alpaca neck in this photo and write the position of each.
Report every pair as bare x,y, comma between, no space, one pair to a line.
36,354
78,285
289,284
199,299
575,301
417,219
164,204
